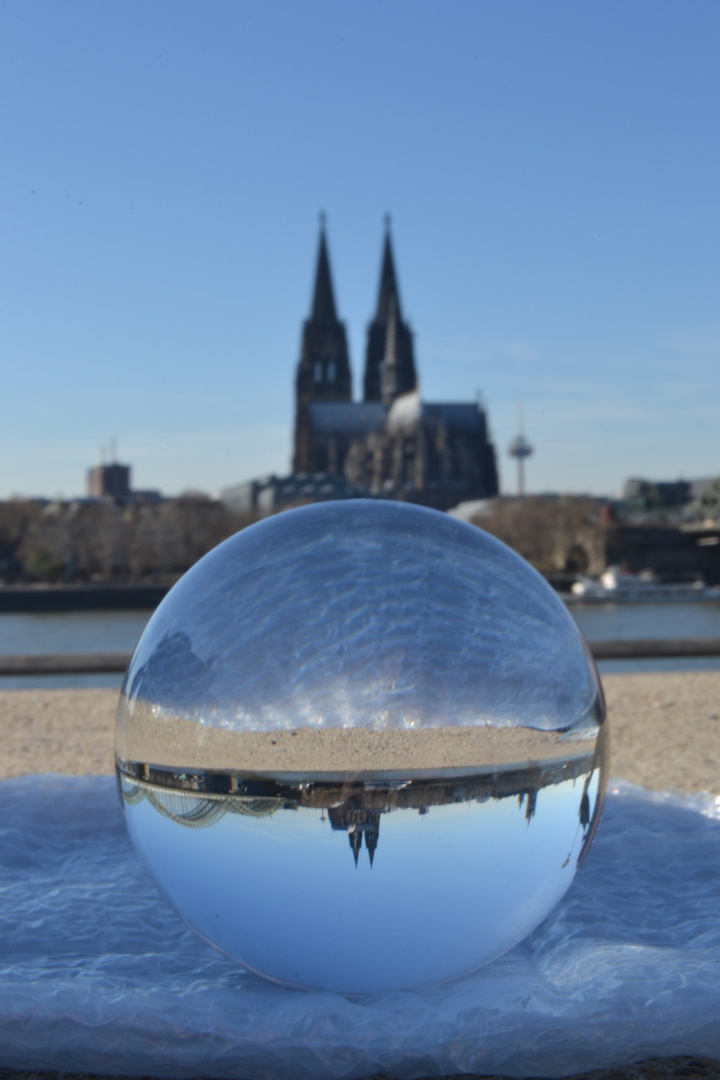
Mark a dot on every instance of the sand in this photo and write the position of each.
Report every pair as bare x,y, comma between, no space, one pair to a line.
173,741
664,730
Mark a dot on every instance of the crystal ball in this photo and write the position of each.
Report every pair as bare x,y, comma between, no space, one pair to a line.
361,747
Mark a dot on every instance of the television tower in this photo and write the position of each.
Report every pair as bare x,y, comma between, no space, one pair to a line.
520,449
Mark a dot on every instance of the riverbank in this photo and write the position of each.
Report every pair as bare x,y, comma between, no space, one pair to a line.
664,730
51,599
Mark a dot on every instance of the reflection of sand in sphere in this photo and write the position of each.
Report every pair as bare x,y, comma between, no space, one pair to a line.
175,742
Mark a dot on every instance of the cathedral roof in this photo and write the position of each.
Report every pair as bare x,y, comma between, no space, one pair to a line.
346,417
408,411
455,416
359,418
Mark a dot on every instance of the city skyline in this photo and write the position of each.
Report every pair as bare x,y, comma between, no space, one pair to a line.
550,173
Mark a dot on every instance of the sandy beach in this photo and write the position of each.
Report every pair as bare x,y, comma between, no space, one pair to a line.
664,730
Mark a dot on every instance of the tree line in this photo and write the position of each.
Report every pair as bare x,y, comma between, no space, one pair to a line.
80,541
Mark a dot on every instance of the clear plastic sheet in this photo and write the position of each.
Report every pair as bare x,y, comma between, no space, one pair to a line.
98,974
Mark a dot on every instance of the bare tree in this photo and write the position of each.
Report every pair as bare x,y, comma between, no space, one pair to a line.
562,533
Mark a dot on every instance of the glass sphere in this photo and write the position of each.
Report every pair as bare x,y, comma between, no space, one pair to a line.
361,747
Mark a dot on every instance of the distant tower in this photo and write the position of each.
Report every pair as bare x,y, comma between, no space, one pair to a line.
109,481
323,373
404,376
520,449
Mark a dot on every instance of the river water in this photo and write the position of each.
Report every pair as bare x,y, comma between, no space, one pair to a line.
628,622
118,631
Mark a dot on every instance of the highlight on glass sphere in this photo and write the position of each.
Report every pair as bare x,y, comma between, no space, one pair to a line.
361,747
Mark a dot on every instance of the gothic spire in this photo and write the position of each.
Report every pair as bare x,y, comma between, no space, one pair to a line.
388,301
323,372
323,305
371,841
355,838
388,281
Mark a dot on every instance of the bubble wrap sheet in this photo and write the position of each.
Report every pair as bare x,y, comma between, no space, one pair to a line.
98,974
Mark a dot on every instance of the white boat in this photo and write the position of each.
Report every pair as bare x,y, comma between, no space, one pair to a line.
622,586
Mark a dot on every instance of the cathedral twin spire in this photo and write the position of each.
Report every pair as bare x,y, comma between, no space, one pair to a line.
389,356
437,456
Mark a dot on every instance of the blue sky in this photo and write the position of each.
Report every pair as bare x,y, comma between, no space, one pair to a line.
552,171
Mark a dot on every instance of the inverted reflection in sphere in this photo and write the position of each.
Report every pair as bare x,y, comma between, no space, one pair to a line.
361,747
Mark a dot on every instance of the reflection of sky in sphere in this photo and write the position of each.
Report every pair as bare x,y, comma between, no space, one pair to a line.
447,890
363,613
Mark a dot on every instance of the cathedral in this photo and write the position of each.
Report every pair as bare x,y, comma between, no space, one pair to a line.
392,443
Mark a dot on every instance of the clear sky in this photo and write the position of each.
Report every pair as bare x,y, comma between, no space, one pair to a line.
553,174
